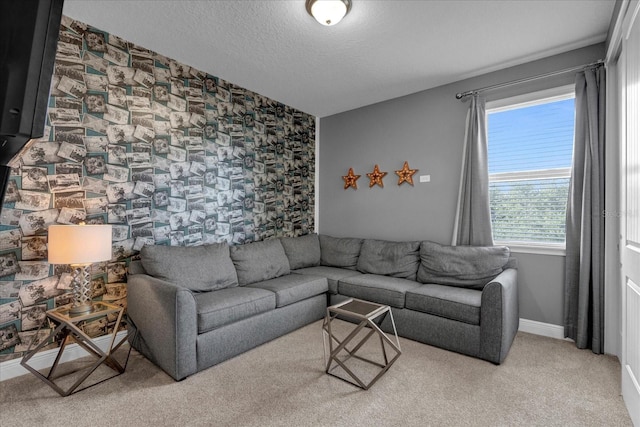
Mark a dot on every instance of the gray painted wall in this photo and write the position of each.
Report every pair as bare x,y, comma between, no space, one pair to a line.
427,130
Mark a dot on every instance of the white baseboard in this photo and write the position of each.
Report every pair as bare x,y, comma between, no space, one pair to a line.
544,329
44,359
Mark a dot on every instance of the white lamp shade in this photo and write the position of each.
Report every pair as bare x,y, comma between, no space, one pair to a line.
328,12
79,244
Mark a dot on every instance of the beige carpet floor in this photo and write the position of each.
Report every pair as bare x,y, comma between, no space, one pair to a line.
543,382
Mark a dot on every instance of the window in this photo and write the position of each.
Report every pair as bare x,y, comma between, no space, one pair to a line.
530,156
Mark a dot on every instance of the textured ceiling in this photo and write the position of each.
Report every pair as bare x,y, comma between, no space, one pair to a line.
381,50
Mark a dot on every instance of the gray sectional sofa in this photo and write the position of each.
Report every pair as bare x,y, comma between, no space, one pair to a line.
194,307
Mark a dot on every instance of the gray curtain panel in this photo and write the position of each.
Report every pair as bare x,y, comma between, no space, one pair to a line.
473,217
584,278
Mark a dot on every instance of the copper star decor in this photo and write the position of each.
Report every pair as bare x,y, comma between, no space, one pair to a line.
405,174
350,179
375,177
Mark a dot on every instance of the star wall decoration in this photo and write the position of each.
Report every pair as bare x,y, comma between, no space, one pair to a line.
405,174
376,176
350,180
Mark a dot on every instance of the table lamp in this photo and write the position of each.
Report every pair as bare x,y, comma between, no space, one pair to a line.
79,246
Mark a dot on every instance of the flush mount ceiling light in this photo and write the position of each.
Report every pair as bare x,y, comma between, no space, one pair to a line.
328,12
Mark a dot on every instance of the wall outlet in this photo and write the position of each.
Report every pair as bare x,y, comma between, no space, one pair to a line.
425,178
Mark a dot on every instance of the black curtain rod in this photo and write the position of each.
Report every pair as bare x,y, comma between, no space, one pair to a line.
462,95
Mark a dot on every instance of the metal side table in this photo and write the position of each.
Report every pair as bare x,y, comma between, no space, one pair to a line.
70,328
368,313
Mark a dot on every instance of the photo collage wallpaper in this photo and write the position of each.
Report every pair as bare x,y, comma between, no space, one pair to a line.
167,154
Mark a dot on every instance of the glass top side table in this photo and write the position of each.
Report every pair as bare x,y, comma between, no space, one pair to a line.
70,328
367,313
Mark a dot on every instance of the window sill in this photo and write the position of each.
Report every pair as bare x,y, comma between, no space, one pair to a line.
555,250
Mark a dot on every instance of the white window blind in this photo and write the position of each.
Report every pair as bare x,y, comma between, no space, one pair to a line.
530,157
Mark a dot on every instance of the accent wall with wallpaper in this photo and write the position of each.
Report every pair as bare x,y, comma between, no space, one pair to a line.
167,154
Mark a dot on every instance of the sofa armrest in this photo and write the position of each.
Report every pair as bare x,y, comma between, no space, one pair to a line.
164,315
499,316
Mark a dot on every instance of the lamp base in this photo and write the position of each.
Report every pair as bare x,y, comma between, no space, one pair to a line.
79,310
82,290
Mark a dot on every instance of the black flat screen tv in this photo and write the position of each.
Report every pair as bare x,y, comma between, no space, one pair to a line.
28,39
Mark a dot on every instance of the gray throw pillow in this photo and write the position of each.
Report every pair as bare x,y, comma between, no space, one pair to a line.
462,266
259,261
198,268
339,251
395,259
302,251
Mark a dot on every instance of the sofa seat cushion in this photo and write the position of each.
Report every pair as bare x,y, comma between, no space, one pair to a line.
332,274
463,266
395,259
219,308
451,302
293,287
340,252
197,268
381,289
302,251
259,261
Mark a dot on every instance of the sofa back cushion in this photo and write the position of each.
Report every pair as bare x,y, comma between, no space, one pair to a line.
198,268
340,252
395,259
303,251
135,267
259,261
464,266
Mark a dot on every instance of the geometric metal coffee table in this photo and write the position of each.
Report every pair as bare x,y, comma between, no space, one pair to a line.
369,315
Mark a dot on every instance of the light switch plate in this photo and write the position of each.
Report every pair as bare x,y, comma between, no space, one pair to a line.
425,178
